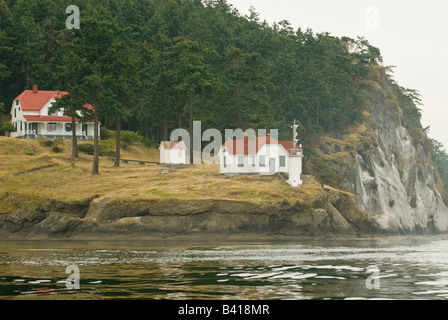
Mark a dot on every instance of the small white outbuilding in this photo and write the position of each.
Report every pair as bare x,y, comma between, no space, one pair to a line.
172,153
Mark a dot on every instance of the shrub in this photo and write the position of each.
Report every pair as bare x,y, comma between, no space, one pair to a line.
107,134
106,146
149,142
86,147
48,143
301,205
57,149
7,127
130,137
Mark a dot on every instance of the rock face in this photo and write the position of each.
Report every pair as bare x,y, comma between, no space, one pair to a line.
394,180
334,214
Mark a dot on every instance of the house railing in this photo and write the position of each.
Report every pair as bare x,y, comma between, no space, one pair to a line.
295,152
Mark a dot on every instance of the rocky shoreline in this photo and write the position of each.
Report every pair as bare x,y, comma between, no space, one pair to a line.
334,214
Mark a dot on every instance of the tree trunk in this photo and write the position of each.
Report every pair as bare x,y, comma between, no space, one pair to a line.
179,120
317,114
117,145
147,128
165,127
191,130
75,154
96,147
239,120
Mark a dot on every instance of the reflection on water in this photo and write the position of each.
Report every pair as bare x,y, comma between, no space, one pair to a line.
410,268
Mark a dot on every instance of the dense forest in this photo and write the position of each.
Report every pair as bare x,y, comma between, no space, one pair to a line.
159,63
152,66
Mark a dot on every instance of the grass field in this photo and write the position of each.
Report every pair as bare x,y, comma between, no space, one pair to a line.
129,182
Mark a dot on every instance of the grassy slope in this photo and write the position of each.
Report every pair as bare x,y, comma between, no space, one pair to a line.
129,182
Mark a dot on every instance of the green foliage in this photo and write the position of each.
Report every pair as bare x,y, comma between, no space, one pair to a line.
409,100
57,146
155,65
302,205
326,172
130,137
7,127
106,134
440,157
106,147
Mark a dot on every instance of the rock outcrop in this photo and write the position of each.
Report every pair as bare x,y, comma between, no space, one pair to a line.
333,214
394,178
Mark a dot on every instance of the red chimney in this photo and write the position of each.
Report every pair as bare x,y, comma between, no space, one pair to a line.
35,89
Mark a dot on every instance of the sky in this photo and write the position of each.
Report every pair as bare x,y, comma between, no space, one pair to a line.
411,34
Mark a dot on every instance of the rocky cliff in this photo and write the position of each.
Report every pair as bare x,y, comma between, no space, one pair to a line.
390,172
331,214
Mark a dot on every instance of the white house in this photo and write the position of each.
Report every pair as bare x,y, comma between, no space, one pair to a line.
32,119
173,153
262,156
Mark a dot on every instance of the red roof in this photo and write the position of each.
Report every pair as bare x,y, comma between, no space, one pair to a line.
49,119
251,147
31,101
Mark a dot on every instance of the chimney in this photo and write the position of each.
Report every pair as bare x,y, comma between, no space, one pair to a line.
35,89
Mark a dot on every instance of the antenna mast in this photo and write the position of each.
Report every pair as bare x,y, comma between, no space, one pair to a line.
295,140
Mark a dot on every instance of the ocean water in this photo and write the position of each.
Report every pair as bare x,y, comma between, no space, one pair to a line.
388,268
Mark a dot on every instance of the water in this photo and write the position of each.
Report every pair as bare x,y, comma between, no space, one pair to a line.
409,268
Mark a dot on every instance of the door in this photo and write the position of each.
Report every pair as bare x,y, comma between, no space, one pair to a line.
272,165
33,128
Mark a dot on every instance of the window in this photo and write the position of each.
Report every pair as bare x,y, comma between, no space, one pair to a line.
262,161
51,127
68,127
240,162
225,162
282,161
15,113
21,126
253,161
17,102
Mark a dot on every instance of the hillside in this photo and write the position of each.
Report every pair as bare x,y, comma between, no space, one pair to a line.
387,162
62,201
153,66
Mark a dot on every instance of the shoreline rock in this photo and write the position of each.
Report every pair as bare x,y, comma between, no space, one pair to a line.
335,214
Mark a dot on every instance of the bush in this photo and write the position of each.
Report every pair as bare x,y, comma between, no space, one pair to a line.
7,127
107,134
48,143
57,149
302,205
106,146
130,137
86,147
149,142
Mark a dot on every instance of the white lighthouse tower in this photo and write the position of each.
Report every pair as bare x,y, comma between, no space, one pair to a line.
295,160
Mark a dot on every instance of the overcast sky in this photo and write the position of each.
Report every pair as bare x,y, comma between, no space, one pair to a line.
412,35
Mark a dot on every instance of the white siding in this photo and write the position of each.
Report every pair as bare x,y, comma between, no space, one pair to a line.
231,165
172,156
